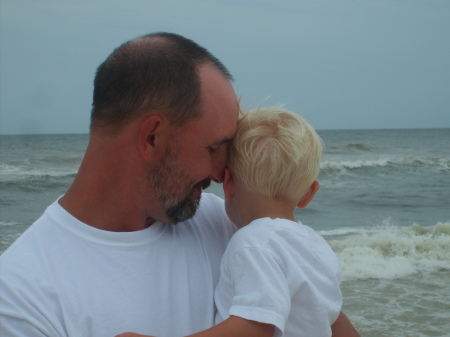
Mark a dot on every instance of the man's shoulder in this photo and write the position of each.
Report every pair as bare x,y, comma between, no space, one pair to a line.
211,206
32,240
211,198
211,216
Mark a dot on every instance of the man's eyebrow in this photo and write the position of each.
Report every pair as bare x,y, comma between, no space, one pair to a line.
222,141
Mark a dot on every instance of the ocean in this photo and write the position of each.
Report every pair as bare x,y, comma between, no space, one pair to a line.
383,206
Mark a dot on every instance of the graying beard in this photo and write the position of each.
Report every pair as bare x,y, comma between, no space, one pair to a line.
182,211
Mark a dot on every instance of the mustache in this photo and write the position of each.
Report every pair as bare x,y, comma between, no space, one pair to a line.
204,184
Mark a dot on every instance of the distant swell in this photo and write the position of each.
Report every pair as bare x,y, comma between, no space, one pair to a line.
391,252
435,164
349,148
19,171
61,160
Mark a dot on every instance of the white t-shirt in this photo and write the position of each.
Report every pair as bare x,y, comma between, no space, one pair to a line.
280,272
65,278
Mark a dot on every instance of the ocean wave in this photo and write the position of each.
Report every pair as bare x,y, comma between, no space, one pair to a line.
339,165
434,164
11,172
61,160
8,224
351,148
47,160
390,252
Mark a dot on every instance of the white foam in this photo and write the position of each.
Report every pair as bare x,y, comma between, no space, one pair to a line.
8,224
353,164
6,169
435,164
342,231
390,252
18,172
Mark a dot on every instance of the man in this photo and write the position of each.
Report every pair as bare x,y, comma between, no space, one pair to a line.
109,256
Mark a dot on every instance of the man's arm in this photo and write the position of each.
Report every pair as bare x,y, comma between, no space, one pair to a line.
236,326
342,327
231,327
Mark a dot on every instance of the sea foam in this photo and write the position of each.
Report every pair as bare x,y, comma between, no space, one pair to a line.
390,252
10,172
399,162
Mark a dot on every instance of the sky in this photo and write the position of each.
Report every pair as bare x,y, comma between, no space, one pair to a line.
341,64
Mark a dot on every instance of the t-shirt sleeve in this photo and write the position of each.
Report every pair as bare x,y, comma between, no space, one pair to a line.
261,288
24,312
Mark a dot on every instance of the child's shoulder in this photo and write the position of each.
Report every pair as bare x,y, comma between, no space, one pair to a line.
264,231
279,225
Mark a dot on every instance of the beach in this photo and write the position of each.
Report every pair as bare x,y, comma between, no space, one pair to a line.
383,206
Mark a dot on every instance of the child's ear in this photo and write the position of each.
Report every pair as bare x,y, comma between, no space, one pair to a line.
228,184
309,195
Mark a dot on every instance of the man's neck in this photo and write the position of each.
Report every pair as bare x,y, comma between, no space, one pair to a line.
104,194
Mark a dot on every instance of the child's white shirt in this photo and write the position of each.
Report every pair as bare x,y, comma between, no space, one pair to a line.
283,273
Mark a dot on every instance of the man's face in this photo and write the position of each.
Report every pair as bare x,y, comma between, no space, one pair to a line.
174,188
197,154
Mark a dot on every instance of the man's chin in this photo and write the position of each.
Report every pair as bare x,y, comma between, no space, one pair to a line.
186,208
204,184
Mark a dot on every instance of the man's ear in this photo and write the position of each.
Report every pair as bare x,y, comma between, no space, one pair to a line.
228,184
309,195
149,136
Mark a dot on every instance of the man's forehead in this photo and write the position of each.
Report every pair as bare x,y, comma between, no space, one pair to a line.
219,104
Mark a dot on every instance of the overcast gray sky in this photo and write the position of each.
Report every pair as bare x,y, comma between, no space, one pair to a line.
342,64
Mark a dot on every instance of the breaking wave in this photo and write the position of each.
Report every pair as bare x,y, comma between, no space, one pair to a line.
435,164
390,252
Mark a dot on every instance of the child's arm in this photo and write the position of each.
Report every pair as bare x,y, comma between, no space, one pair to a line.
231,327
343,327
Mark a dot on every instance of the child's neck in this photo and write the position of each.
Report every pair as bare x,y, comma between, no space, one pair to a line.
256,206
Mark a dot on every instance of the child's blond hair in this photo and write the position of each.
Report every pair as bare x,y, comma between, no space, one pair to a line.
276,153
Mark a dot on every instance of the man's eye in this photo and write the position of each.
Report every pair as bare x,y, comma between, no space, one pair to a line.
212,149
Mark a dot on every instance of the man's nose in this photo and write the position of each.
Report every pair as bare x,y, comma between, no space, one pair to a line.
218,165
